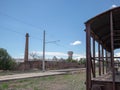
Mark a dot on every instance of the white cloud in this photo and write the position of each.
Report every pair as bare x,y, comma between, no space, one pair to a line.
59,54
78,56
76,43
56,53
113,6
20,56
117,54
51,53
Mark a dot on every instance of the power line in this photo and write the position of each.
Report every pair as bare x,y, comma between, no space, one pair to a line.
36,38
53,41
18,20
21,21
115,1
33,37
11,30
60,45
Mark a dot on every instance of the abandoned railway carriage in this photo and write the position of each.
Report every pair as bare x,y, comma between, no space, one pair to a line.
103,37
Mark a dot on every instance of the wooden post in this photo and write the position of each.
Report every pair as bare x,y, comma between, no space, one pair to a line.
112,50
88,57
106,61
99,59
102,60
94,67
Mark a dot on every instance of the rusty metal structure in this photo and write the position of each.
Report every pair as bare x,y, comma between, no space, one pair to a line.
103,37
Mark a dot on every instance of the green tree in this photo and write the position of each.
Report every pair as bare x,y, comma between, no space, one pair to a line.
35,56
82,61
71,60
6,61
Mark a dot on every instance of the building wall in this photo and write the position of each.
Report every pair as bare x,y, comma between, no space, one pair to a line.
48,65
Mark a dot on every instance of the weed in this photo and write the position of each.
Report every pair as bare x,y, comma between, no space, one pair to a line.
4,86
57,82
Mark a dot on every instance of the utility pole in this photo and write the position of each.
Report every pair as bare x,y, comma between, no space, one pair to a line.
44,44
43,62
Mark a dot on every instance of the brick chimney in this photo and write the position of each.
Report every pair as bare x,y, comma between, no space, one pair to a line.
26,48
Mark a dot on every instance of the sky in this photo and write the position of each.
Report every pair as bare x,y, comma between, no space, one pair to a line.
62,20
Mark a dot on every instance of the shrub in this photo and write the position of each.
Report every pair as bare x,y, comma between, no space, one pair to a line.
71,60
82,61
6,61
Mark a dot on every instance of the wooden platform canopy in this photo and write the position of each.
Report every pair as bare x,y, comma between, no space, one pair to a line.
102,38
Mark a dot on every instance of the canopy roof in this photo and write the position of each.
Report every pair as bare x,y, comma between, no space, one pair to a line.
101,28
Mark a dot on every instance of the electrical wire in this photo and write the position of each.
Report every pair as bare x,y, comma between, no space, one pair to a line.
14,31
31,25
116,2
11,30
21,21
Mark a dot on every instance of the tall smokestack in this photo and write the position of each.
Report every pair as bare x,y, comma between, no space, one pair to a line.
26,48
70,54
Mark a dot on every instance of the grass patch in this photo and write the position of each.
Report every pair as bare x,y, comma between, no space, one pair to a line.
4,86
8,72
74,81
48,78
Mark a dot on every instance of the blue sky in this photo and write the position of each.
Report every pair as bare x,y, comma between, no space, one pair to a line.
61,19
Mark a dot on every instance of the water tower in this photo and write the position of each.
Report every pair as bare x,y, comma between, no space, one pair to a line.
70,54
